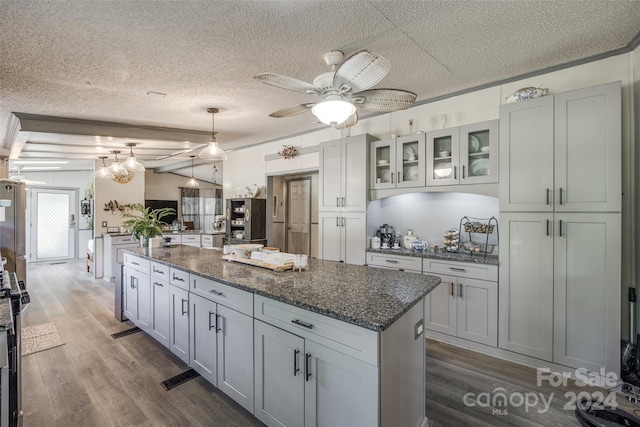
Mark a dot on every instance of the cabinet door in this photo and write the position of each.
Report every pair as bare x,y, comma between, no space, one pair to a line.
443,157
526,284
160,307
478,311
479,153
587,291
279,376
526,155
143,286
410,155
130,294
179,318
330,180
235,356
354,177
383,164
441,306
338,390
203,337
329,232
588,149
353,237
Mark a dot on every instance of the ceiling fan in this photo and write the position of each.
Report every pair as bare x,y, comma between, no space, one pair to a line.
342,89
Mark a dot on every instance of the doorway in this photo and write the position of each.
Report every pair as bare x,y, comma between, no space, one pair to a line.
298,239
53,229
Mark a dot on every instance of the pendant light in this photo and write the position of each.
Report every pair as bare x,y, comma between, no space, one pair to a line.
132,163
104,171
116,167
213,152
192,183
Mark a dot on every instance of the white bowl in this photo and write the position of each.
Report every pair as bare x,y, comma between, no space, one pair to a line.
444,153
383,162
485,149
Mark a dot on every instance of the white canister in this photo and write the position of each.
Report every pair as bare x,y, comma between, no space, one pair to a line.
408,239
375,242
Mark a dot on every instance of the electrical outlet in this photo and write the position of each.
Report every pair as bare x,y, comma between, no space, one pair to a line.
104,223
419,328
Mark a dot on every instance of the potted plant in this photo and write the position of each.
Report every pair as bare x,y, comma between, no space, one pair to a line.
145,223
226,248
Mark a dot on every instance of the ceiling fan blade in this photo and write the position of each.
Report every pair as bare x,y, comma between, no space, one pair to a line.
384,99
360,71
292,110
351,120
288,83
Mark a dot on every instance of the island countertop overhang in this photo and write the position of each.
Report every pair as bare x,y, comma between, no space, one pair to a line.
368,297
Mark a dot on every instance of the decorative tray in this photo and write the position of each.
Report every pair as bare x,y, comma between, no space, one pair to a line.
258,263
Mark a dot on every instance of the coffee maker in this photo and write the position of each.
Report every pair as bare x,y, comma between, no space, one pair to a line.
387,235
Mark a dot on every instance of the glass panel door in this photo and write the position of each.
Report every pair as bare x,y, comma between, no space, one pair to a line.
442,157
54,225
384,164
479,153
410,160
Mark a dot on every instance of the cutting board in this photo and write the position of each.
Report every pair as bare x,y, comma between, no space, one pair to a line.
258,263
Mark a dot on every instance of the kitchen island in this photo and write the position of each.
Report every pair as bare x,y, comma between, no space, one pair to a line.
337,344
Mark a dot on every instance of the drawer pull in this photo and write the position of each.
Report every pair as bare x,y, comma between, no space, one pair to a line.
303,324
461,270
158,284
134,263
213,291
155,270
391,261
307,365
295,362
179,279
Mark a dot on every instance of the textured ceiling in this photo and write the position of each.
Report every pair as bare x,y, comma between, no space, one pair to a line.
97,60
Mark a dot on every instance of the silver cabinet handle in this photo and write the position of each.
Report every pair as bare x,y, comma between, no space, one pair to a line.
560,195
343,202
179,279
343,221
460,290
158,284
134,263
218,328
548,201
391,261
303,324
213,291
210,325
462,270
157,271
337,221
337,202
183,310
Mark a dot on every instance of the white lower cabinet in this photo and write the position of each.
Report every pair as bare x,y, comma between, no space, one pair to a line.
137,297
302,383
342,236
160,309
561,301
221,348
179,322
463,305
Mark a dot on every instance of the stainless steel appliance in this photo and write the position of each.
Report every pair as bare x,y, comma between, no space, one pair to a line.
12,227
387,235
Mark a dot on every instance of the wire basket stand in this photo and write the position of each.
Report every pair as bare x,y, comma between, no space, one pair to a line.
475,227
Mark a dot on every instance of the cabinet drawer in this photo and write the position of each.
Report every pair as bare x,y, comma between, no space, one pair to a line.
174,239
406,263
226,295
344,337
160,271
139,264
194,238
462,269
206,239
179,278
120,240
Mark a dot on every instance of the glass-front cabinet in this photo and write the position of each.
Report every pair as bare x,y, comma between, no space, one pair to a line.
398,162
463,155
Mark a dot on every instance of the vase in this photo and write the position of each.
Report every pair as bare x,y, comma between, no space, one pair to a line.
144,242
226,249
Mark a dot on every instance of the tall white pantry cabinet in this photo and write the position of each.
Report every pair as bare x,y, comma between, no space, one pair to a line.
560,203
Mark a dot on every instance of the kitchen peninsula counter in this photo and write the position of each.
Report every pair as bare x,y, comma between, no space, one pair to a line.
368,297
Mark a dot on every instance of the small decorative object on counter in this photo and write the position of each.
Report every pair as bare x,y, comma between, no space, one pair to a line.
451,240
375,242
478,232
419,245
300,262
226,248
409,238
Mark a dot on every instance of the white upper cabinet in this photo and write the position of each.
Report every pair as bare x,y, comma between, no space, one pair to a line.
398,162
344,174
463,155
562,152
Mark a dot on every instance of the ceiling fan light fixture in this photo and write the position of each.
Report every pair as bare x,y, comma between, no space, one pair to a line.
192,183
132,163
333,110
213,152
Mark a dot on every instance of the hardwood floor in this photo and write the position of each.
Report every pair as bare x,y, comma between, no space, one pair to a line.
95,380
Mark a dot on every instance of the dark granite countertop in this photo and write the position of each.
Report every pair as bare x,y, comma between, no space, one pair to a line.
447,256
6,319
365,296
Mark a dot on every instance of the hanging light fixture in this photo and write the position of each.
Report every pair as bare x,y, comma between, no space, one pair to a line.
333,110
116,167
132,163
104,171
213,152
192,183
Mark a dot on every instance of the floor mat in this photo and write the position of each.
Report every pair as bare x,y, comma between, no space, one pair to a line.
41,337
125,332
179,379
